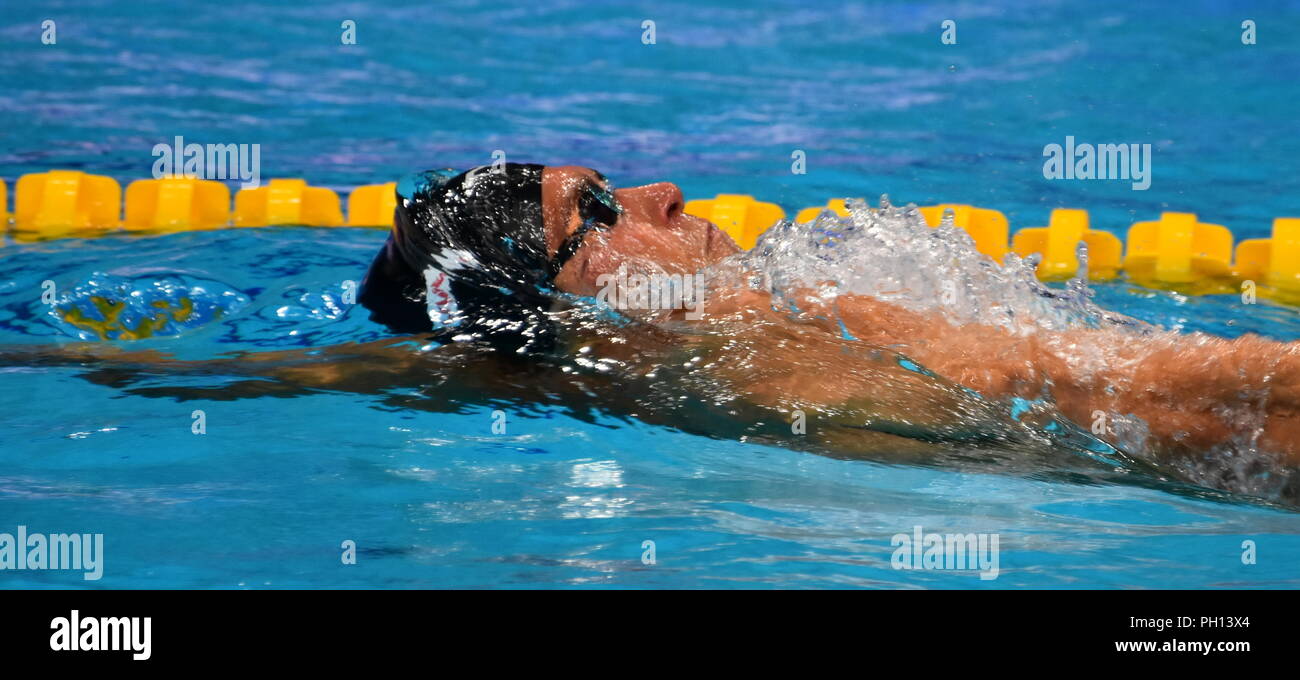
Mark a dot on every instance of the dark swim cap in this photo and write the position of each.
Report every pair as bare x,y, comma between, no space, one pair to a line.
467,259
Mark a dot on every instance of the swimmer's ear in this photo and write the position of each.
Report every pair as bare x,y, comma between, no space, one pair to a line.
421,183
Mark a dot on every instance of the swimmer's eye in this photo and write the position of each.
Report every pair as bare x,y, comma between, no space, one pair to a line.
598,205
598,208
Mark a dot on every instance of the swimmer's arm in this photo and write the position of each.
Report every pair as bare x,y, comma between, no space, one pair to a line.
445,379
847,390
1193,391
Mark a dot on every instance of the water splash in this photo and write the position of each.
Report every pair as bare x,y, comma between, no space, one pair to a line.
892,254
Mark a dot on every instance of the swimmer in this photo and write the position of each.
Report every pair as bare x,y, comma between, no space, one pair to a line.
494,265
501,239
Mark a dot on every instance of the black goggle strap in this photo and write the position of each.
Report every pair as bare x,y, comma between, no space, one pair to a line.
568,248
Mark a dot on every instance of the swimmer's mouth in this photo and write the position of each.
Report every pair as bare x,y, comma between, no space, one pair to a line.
712,237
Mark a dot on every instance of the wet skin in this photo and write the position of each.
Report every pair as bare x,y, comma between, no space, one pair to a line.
1189,390
652,228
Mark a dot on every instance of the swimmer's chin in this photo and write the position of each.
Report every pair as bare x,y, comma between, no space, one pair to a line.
718,244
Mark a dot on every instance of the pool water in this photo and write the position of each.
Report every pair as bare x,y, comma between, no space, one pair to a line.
719,103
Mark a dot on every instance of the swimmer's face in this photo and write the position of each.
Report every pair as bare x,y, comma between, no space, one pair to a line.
649,228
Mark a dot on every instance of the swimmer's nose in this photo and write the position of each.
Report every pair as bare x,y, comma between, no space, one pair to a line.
661,203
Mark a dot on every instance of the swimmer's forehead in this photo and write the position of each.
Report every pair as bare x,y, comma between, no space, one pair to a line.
561,186
574,173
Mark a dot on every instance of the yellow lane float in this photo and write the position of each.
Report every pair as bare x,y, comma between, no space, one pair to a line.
176,204
1273,261
61,202
287,201
372,205
988,228
743,218
1178,249
1058,243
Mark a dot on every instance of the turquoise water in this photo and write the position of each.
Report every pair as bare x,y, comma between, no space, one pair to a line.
718,104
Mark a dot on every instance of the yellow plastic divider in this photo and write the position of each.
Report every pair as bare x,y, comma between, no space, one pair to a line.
1178,248
987,227
372,205
176,204
1058,241
835,205
1274,261
287,201
743,218
59,202
1252,259
4,201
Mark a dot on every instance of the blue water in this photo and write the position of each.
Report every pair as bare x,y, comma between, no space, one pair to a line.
718,104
